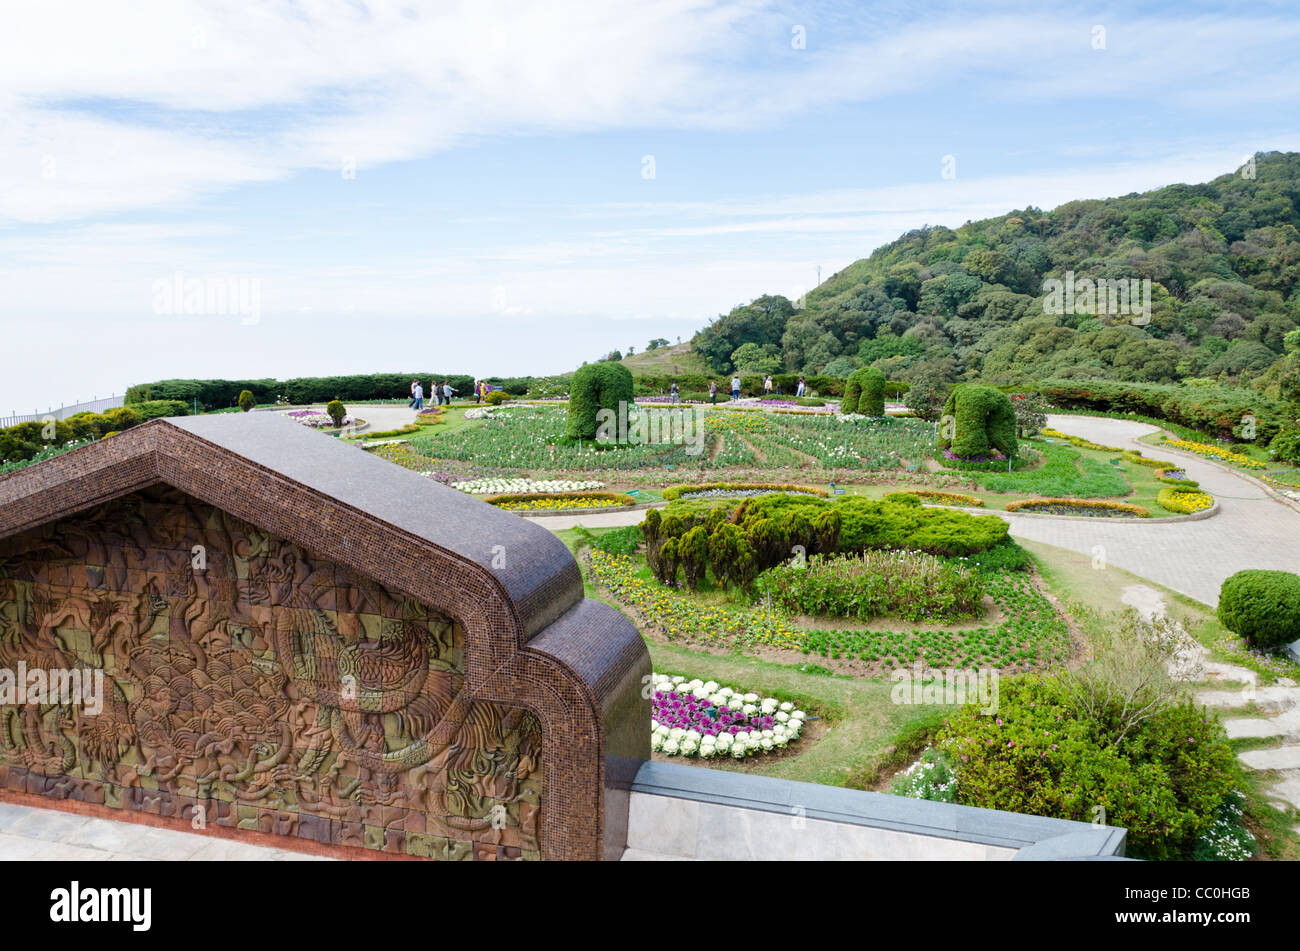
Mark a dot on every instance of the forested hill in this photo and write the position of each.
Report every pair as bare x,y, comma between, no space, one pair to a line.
1223,259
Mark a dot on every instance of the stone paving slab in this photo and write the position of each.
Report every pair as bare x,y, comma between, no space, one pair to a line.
30,834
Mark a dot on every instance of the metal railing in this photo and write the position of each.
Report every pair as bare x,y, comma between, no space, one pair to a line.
63,411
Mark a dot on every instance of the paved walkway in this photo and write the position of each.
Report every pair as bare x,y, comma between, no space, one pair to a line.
1252,529
51,835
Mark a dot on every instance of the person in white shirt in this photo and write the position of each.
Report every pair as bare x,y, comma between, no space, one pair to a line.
735,387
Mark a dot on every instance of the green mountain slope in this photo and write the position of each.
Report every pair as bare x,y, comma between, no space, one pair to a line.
1223,259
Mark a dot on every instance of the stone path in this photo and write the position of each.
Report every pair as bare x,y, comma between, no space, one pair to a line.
1280,705
50,835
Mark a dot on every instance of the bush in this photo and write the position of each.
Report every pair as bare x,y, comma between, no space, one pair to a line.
1261,606
870,385
496,397
1006,555
1286,446
155,409
619,541
246,400
904,523
336,411
595,387
852,393
809,401
1219,410
1162,778
982,419
910,585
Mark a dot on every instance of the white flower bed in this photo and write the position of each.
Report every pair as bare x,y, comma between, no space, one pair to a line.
705,719
519,486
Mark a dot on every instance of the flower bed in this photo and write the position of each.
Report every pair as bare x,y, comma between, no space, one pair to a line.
1184,501
524,486
316,420
1032,634
558,501
1206,451
1093,507
993,462
907,584
1290,478
736,489
695,718
942,498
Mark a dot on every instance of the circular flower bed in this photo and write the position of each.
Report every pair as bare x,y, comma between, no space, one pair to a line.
1091,507
316,420
705,719
942,498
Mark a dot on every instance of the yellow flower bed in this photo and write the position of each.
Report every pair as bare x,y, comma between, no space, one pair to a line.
558,501
1207,451
1183,501
679,617
736,421
1096,504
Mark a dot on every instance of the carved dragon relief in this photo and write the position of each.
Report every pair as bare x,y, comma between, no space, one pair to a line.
267,681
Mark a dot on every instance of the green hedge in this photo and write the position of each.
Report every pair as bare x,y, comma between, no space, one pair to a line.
1262,606
865,393
221,394
595,387
983,419
1217,410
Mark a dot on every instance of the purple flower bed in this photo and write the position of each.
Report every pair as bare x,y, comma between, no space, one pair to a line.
300,413
684,710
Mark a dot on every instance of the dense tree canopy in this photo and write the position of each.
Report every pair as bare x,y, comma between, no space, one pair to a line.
1223,259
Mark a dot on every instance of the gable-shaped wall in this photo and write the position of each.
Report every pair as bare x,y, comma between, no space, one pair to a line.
330,672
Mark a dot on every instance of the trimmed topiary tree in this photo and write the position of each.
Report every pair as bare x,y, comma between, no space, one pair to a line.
977,419
852,391
595,387
870,385
1261,606
336,411
246,400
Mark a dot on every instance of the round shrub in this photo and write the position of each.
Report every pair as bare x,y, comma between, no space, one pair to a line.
496,397
246,400
1262,606
595,387
336,411
978,420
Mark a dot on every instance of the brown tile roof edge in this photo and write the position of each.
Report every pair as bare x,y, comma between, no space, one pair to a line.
533,567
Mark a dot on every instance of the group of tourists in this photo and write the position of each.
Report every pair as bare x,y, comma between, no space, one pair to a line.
443,391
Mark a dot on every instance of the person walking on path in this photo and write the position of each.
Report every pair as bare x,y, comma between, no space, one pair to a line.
411,401
735,387
713,392
673,392
802,389
767,386
447,391
418,397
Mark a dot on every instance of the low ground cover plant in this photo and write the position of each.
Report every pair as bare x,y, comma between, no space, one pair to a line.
911,585
706,719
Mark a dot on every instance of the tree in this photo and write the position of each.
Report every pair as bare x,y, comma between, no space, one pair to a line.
337,412
1031,413
980,419
752,358
246,400
596,387
656,343
926,396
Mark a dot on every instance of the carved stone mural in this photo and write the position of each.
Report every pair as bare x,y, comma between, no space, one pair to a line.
252,685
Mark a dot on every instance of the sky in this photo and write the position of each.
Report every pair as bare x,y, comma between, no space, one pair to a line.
502,188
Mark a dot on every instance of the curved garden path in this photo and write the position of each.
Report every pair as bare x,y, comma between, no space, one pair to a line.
1252,529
